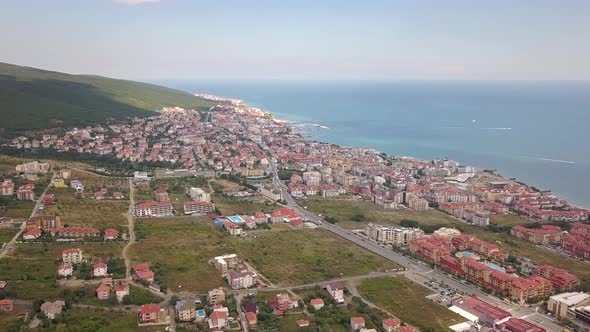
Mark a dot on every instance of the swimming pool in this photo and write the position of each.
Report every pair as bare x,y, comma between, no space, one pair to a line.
236,219
496,267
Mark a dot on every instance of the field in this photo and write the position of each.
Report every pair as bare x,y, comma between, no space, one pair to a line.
291,257
99,320
6,234
407,301
184,245
87,211
233,205
31,268
344,211
509,219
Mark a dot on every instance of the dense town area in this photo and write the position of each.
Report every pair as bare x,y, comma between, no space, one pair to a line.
252,226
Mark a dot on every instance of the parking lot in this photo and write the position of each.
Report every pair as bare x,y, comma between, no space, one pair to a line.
444,294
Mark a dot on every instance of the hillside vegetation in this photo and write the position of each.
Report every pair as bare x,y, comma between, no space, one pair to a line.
32,98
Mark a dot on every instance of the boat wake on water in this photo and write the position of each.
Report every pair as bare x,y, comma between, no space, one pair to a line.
549,160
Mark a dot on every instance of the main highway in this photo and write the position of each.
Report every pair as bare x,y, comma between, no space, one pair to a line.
416,270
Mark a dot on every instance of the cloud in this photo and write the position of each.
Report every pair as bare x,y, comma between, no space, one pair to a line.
135,2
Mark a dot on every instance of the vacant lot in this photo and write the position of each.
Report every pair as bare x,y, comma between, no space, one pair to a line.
291,257
18,210
184,245
6,234
345,210
234,205
407,301
510,219
98,213
100,320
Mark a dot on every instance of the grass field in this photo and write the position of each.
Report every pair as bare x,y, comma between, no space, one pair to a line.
184,245
344,210
407,301
6,234
93,183
509,219
99,320
231,205
291,257
87,211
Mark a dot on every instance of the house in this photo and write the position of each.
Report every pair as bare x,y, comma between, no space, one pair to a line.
280,303
216,296
103,292
162,195
48,199
145,276
65,270
45,222
121,290
77,185
241,279
7,188
302,323
72,256
141,267
357,323
251,318
149,313
407,328
32,234
283,214
336,291
185,310
391,324
317,304
7,305
250,306
26,193
99,269
58,183
52,309
217,320
110,234
118,195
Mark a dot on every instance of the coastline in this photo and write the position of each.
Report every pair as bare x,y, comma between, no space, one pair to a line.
296,126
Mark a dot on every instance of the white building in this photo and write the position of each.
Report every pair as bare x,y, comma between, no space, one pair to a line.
199,195
399,236
446,232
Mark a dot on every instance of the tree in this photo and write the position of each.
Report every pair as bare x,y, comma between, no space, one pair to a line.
408,223
359,217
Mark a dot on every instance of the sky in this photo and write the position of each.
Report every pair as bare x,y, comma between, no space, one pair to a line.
301,39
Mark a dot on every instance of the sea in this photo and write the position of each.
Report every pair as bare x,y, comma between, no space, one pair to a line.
536,132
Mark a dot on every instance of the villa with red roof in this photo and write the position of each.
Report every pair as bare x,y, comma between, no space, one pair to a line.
110,234
149,313
72,256
283,214
103,292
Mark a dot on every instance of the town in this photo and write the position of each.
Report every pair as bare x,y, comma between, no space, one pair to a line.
244,196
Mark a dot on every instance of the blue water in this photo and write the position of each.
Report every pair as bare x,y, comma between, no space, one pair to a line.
534,131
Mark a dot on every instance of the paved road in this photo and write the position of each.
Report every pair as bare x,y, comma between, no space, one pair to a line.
12,243
416,270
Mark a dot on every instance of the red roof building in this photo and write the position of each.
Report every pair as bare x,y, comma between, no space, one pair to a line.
149,313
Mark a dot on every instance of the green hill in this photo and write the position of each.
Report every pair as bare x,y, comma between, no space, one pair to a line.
32,98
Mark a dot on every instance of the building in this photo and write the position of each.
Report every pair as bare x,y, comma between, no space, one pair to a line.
121,290
7,305
241,279
99,269
198,207
110,234
217,320
560,304
216,296
32,233
357,323
199,195
103,292
223,263
283,214
185,310
7,188
45,222
52,309
399,236
34,167
547,234
317,304
72,256
561,279
65,270
251,318
153,209
281,303
149,313
161,195
336,291
26,193
391,324
487,314
518,325
447,232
